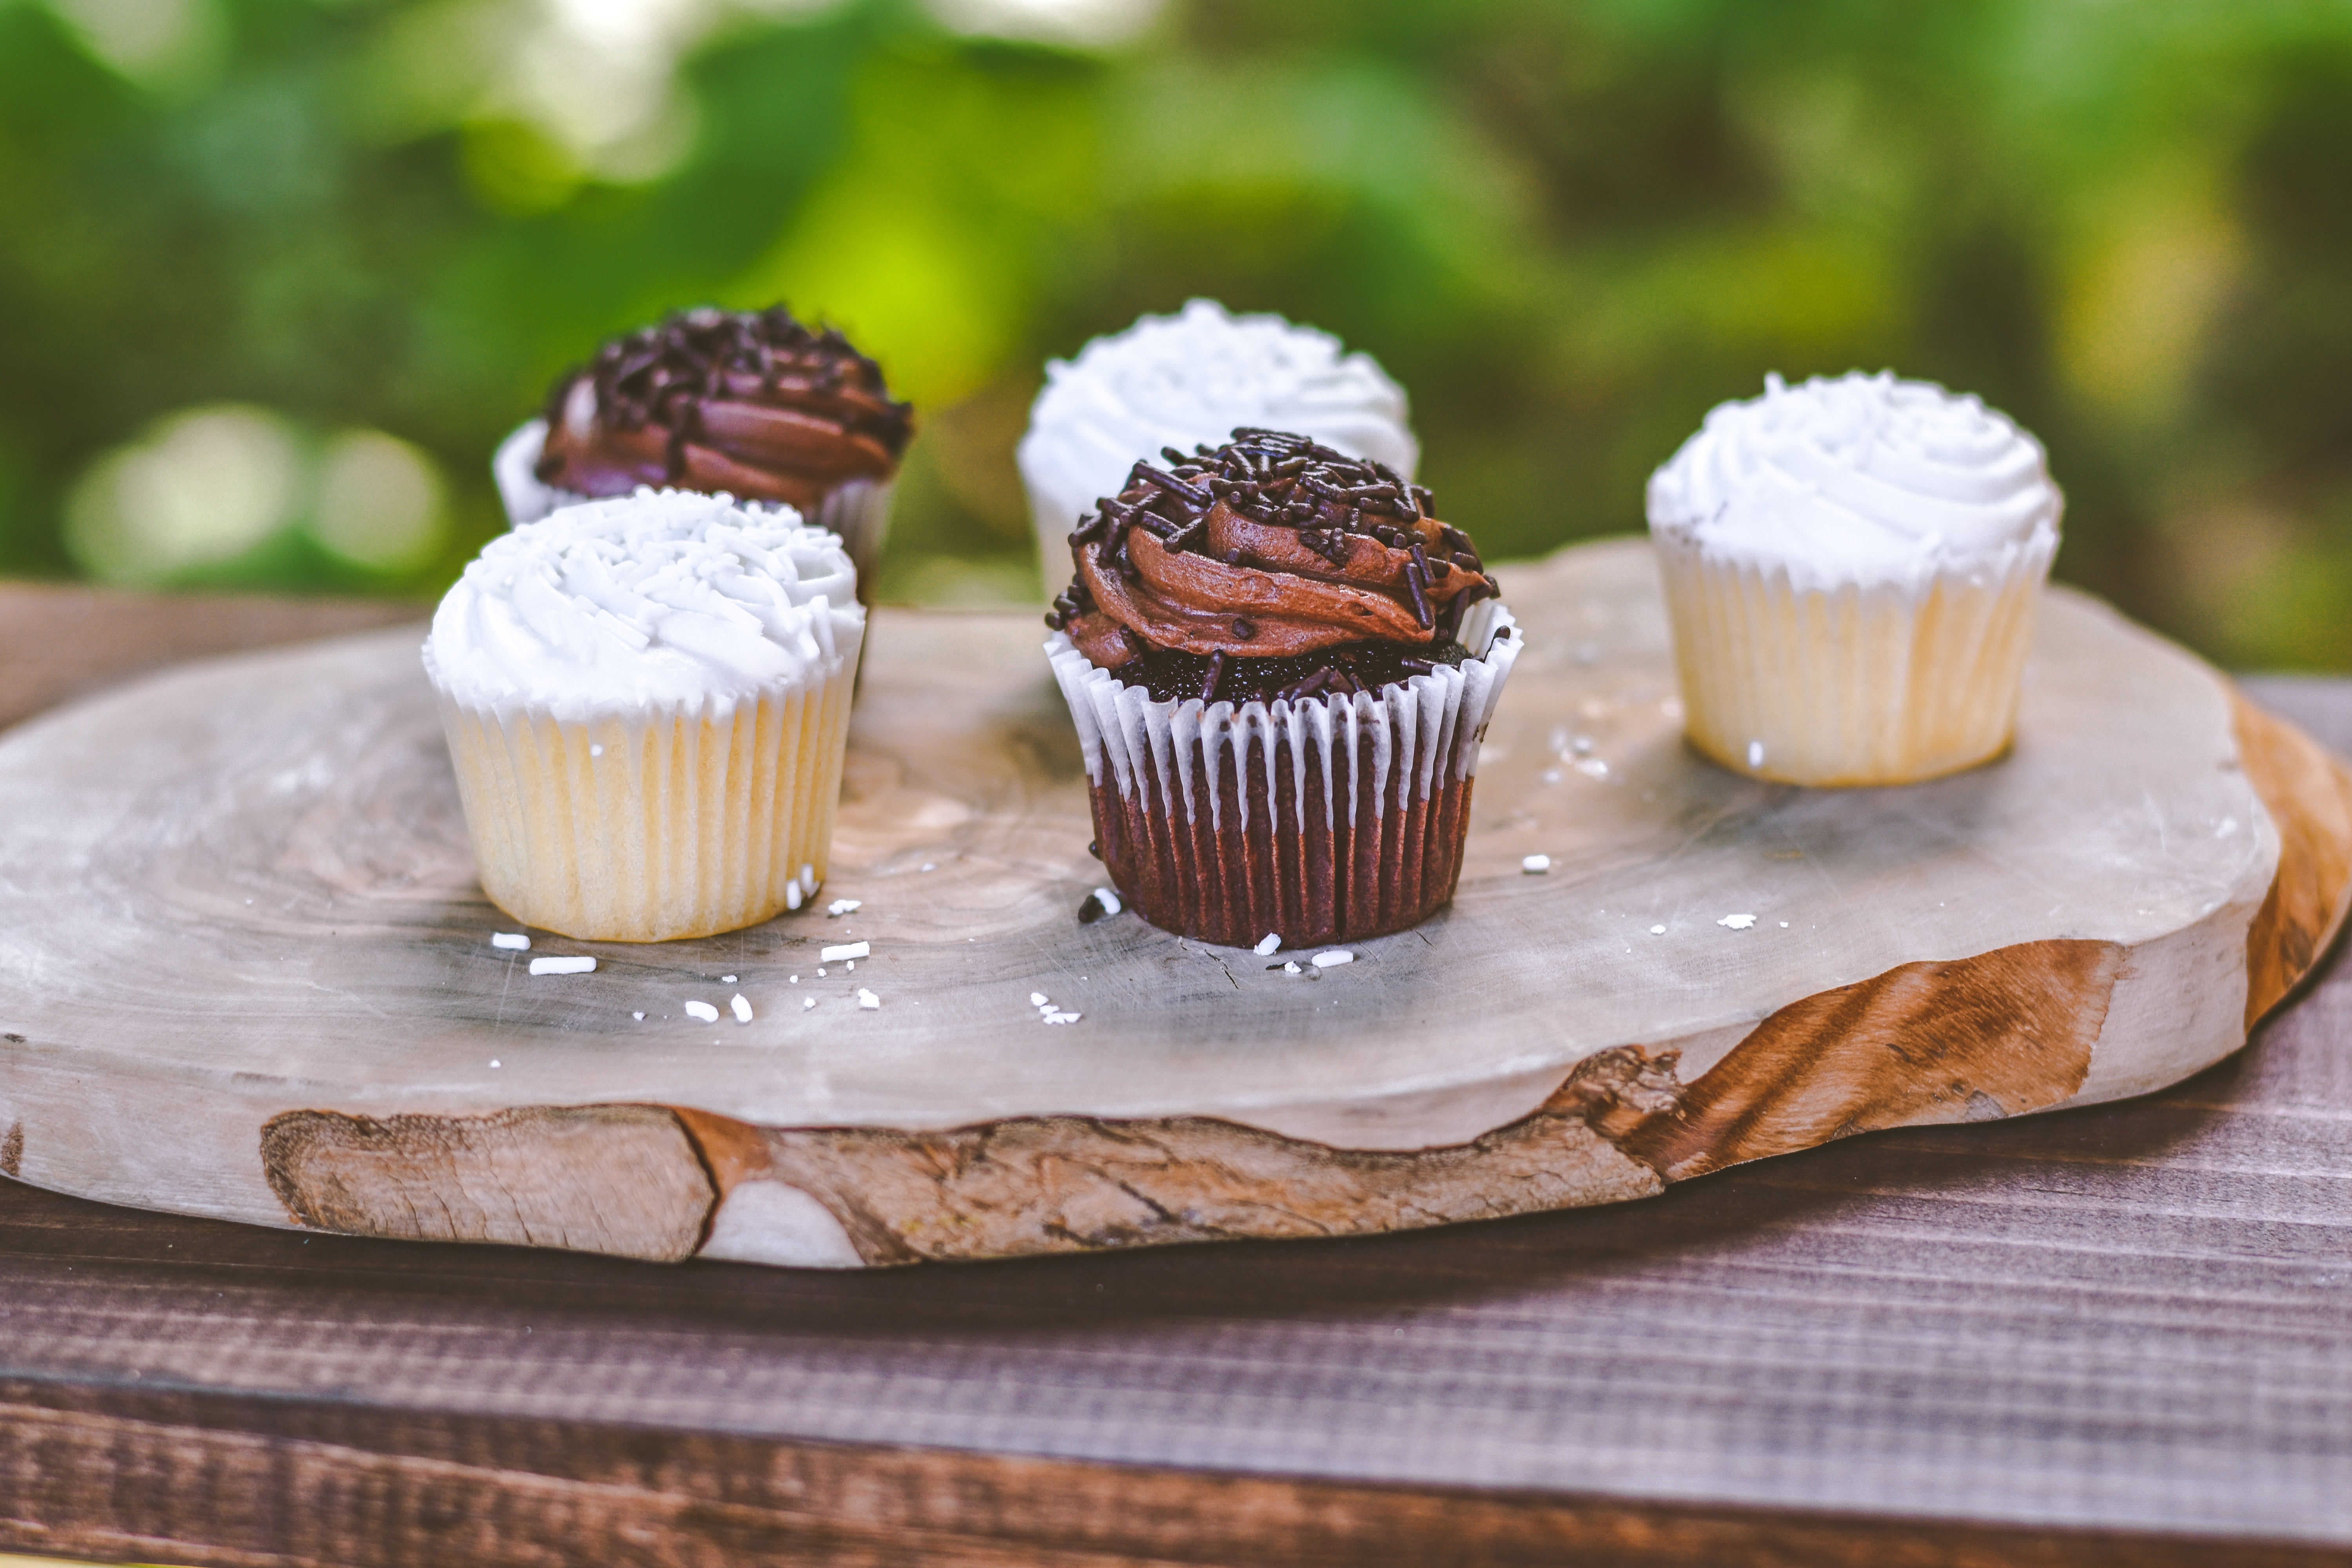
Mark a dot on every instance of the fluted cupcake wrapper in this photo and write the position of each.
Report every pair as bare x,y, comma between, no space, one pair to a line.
1321,820
1859,684
674,823
858,510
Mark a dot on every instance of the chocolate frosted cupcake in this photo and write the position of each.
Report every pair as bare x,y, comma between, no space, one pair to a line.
1280,664
750,404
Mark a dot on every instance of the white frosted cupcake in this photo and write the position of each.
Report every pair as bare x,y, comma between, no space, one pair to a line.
1187,379
1852,567
647,700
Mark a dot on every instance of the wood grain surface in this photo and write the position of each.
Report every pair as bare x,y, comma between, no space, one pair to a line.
2109,1335
239,902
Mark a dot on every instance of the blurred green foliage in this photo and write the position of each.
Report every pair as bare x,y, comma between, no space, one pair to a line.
1568,229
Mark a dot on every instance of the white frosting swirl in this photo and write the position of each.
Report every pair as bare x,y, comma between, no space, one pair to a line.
1176,381
660,601
1862,479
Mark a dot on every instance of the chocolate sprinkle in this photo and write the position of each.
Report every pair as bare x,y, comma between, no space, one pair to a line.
1416,578
1172,485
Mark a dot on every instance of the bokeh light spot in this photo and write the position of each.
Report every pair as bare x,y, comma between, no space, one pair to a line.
164,45
199,486
382,503
1079,24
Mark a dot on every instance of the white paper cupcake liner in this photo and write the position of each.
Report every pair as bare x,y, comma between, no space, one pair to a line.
858,511
669,824
1861,684
1324,819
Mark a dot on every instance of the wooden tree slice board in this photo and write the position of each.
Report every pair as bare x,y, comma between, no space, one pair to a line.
245,971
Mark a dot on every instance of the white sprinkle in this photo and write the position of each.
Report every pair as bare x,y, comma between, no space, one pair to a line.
494,1061
640,1017
582,964
1108,900
1334,958
928,866
514,941
725,980
1535,865
791,895
1292,968
867,1000
847,950
1657,930
1037,999
820,974
1593,767
595,751
1057,1017
807,1002
1269,944
702,1010
843,906
741,1008
1737,923
796,980
808,880
1755,754
851,966
1784,925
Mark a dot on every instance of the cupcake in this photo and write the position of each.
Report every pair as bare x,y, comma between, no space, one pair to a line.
752,405
647,700
1852,567
1176,381
1280,665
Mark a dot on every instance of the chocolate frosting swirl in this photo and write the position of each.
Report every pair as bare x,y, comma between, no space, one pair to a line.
753,403
1266,549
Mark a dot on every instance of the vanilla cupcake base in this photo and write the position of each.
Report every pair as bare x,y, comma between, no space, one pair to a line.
648,829
1857,684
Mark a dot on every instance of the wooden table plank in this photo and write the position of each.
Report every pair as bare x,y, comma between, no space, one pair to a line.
2116,1334
58,642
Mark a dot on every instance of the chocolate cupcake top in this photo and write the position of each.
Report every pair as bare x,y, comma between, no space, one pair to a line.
751,403
1269,567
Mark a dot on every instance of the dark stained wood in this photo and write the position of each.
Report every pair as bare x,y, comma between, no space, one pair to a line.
2109,1335
207,1480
